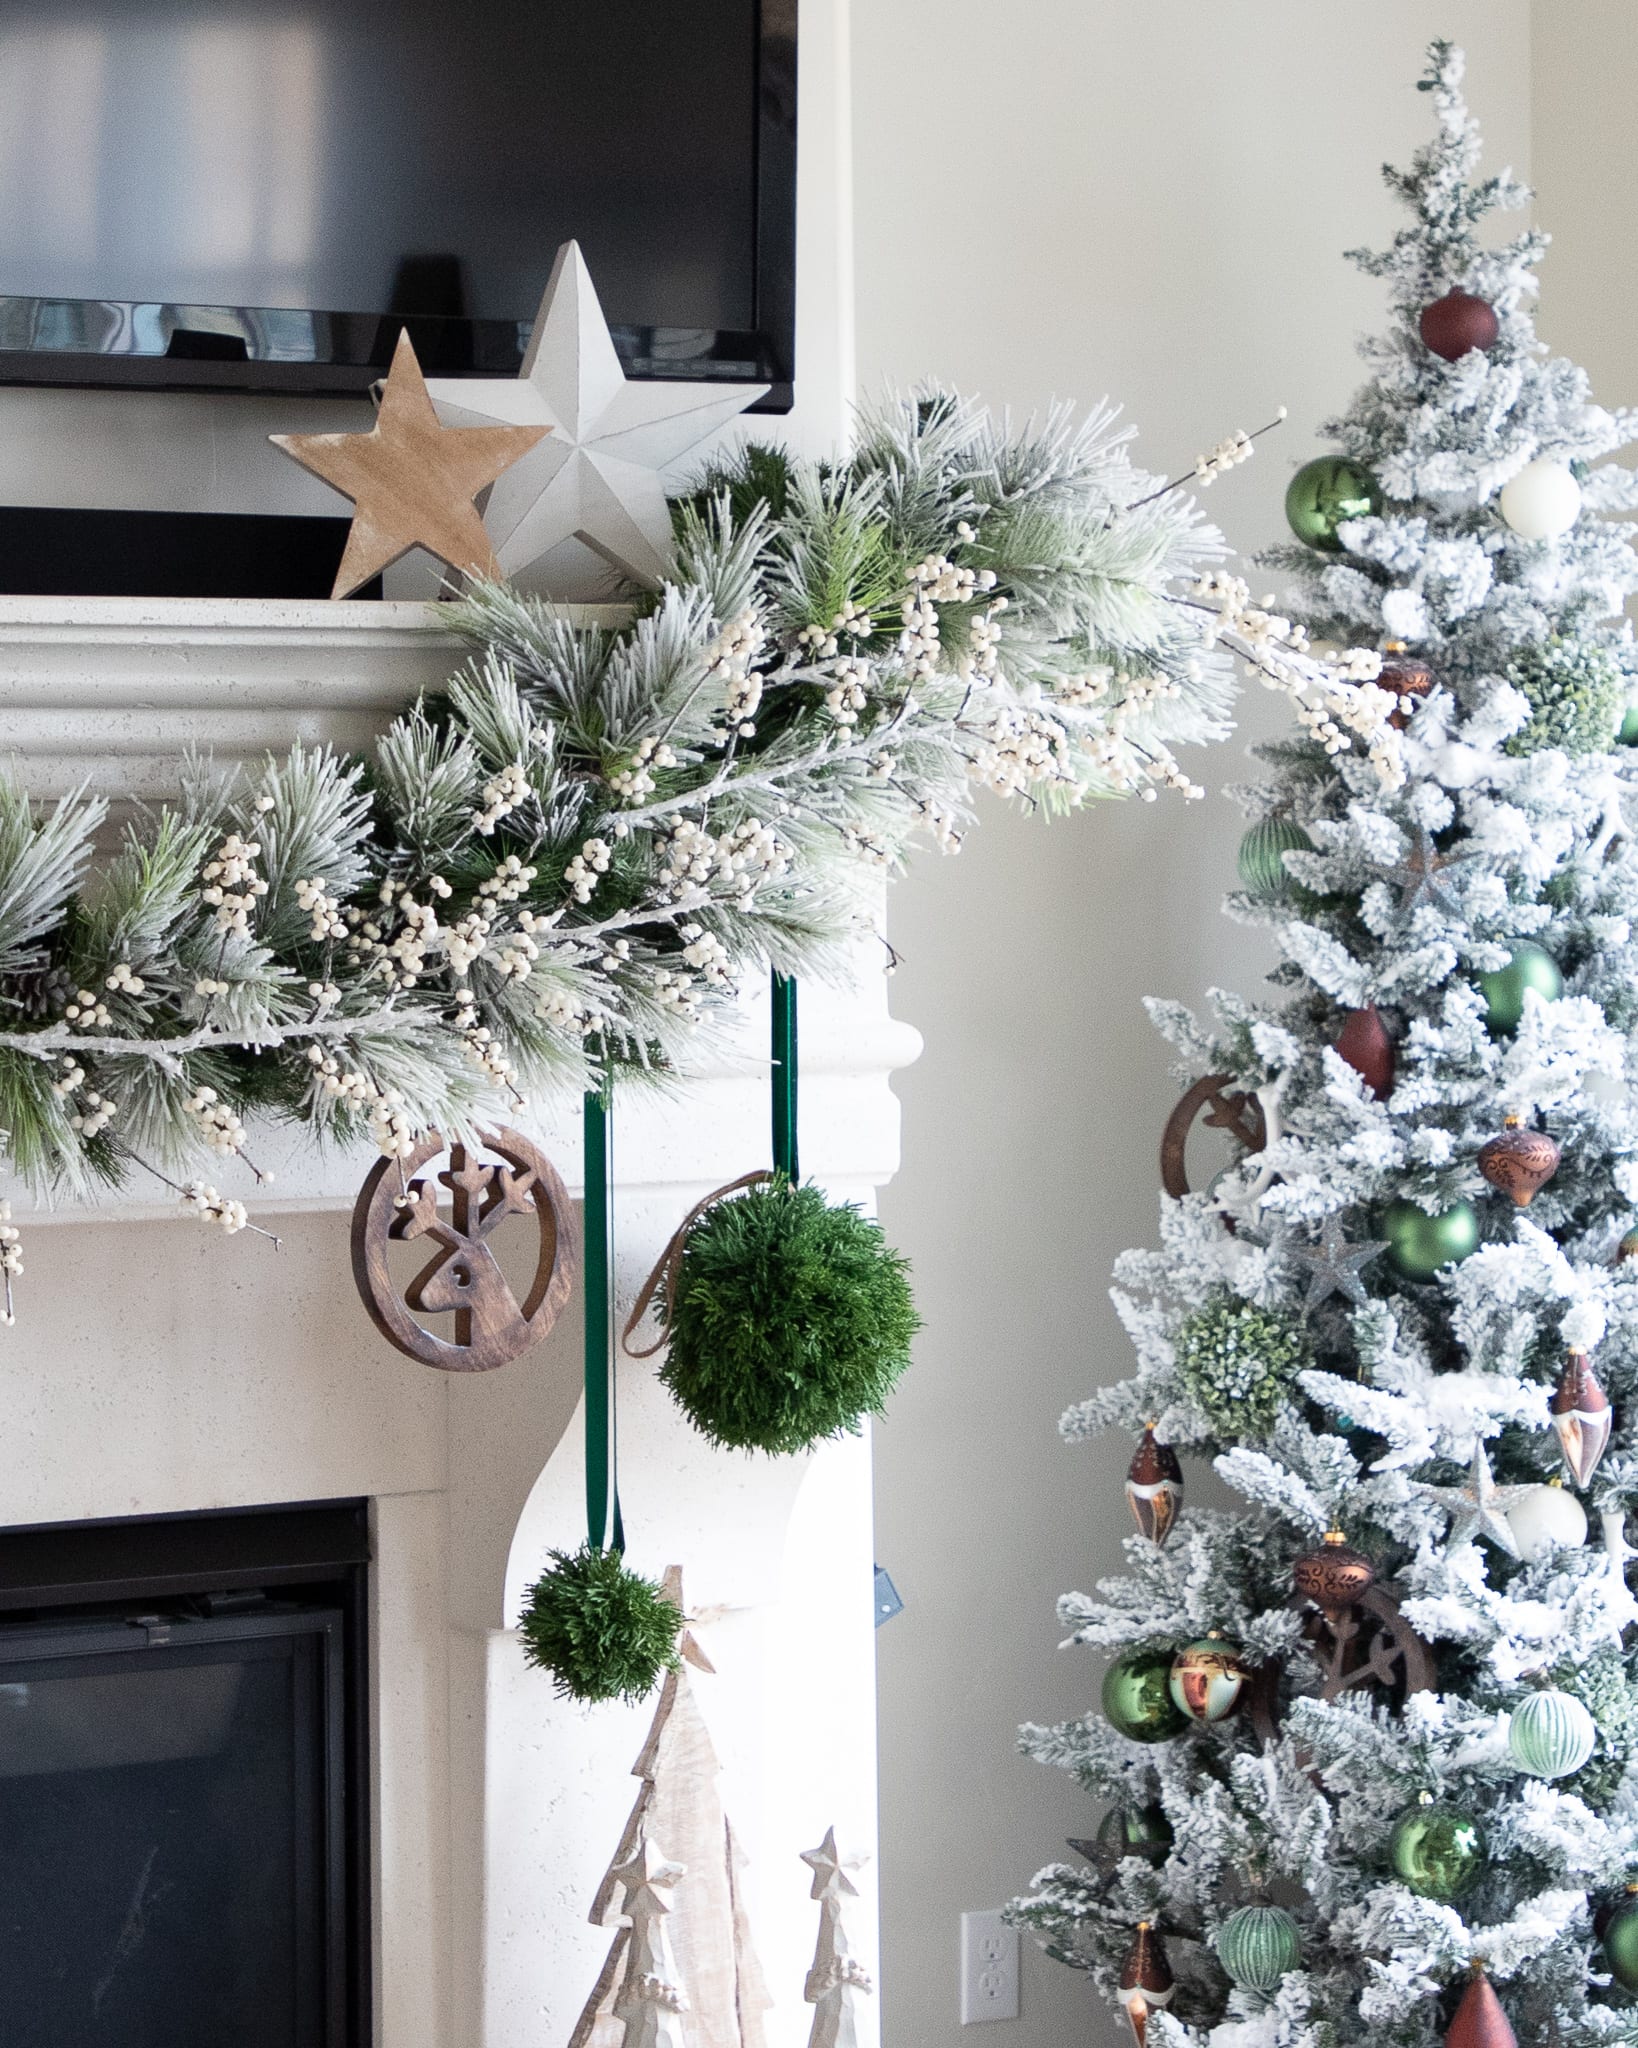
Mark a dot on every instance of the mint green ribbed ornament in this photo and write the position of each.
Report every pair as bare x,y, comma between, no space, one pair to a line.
1551,1735
1263,872
1257,1945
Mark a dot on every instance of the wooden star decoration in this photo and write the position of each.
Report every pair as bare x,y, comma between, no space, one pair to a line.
412,480
1480,1507
1334,1264
597,481
830,1869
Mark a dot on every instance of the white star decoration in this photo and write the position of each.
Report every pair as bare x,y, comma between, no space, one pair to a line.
595,479
1480,1507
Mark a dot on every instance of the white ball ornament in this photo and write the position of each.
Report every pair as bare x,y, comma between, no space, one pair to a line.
1542,501
1545,1517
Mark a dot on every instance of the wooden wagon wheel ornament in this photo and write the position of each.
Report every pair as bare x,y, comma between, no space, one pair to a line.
1235,1110
491,1326
1366,1643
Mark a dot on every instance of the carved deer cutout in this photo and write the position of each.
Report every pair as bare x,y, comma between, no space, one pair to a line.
463,1274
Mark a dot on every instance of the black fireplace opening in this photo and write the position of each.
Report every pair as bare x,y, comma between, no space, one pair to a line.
184,1828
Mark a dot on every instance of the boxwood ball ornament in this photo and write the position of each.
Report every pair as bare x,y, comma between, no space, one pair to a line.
1324,494
1530,967
1551,1735
1258,1944
1137,1700
1438,1849
1420,1245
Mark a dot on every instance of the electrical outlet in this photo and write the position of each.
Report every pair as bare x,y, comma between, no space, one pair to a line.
989,1968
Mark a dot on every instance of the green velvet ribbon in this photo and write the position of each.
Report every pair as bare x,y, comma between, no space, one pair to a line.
603,1524
784,1076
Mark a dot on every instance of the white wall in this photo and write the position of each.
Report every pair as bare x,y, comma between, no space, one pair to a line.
1073,197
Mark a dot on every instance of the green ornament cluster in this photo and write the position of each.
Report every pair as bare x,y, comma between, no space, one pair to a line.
1237,1362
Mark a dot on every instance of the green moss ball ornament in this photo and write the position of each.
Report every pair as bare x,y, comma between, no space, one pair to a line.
1236,1362
1258,1945
1577,693
787,1319
1137,1699
1263,872
1419,1245
1551,1735
603,1631
1326,492
1438,1849
1530,967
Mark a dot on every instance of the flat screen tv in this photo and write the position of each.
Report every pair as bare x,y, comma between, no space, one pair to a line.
257,194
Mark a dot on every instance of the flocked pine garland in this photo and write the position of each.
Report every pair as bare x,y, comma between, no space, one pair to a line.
569,857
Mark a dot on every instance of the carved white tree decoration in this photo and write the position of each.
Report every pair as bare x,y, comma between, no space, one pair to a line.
651,2001
836,1983
710,1936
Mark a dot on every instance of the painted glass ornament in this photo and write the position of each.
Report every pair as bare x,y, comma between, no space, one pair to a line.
1519,1163
1137,1700
1582,1416
1551,1735
1364,1043
1531,967
1258,1944
1324,494
1263,872
1438,1849
1480,2021
1542,501
1334,1576
1544,1518
1134,1831
1207,1678
1146,1981
1154,1487
1458,322
1419,1245
1620,1939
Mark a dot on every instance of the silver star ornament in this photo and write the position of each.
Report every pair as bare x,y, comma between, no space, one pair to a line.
1334,1264
594,482
1480,1507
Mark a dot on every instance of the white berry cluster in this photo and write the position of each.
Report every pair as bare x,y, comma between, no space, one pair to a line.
232,884
746,857
582,872
502,795
344,1086
95,1113
731,659
324,909
69,1077
1021,747
218,1123
123,980
706,954
87,1010
635,780
1225,456
846,698
390,1125
483,1047
203,1201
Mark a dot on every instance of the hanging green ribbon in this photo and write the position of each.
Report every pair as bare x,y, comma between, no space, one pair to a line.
784,1077
603,1524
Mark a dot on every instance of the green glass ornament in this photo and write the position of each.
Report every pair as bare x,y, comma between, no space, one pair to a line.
1137,1699
1257,1945
1324,493
1503,991
1419,1244
1263,872
1628,735
1551,1734
1620,1940
1136,1831
1438,1849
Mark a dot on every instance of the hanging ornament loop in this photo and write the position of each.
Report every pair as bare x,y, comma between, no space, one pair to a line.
604,1529
668,1265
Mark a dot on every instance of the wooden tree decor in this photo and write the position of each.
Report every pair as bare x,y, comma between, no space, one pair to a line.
1369,1643
463,1277
1235,1110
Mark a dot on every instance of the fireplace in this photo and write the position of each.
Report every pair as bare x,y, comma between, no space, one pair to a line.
183,1777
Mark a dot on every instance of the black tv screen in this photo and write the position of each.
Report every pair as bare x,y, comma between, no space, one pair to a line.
257,193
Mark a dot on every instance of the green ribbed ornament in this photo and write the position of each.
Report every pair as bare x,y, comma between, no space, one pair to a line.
1257,1945
1263,871
1551,1735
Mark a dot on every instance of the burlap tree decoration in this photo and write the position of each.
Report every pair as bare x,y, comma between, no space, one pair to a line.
679,1807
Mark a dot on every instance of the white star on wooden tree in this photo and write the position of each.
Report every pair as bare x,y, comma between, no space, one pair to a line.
597,480
836,1983
651,2001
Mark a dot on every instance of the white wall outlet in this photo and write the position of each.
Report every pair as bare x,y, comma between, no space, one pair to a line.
989,1968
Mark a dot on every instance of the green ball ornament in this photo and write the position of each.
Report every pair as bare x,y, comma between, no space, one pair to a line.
1620,1940
1136,1831
1324,493
1531,967
1137,1699
1263,872
1257,1945
1420,1244
1439,1850
1551,1734
1628,735
601,1630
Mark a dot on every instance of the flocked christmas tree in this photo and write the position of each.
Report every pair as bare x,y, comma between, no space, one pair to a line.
1370,1741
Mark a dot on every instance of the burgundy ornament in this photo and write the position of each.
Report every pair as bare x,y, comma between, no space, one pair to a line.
1582,1417
1480,2021
1458,322
1363,1042
1146,1981
1520,1163
1335,1576
1402,675
1154,1487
